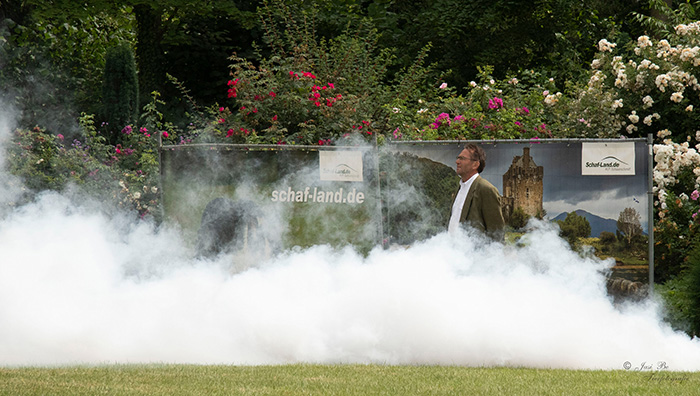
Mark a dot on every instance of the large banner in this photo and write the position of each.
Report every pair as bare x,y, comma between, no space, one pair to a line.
402,193
604,182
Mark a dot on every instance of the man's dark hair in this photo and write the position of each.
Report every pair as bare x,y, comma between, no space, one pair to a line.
478,154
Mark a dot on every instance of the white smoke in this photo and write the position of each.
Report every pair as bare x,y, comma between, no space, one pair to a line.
72,292
78,287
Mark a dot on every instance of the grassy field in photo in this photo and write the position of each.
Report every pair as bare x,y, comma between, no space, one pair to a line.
302,379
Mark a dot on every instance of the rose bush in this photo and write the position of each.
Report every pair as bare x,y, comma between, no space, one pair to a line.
124,174
654,90
311,90
508,109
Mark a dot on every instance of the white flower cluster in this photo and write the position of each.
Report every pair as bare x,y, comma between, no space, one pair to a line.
642,42
597,79
663,69
691,28
663,134
619,71
663,49
605,46
670,159
650,118
633,117
660,80
552,99
690,55
647,64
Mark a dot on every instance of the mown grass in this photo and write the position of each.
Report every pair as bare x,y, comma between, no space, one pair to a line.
338,380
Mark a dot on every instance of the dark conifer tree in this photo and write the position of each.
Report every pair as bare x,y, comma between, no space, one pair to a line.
120,93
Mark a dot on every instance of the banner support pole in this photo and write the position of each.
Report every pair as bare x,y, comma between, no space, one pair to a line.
650,198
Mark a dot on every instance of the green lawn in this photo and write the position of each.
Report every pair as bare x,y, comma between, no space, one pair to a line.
338,380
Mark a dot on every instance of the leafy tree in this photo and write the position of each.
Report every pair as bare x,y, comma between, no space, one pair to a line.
51,62
187,39
574,227
664,17
629,225
510,35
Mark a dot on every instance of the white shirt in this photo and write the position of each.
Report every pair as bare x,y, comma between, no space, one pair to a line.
458,204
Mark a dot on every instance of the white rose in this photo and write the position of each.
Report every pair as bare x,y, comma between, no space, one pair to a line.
605,46
634,118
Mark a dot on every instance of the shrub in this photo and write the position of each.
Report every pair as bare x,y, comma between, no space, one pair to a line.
608,238
651,83
518,219
491,109
122,175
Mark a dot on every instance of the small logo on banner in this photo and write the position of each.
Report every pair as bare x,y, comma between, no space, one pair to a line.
607,158
340,165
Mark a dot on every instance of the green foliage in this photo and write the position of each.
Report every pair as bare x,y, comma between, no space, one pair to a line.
555,36
122,175
675,231
665,18
45,162
681,295
518,219
492,109
677,302
120,89
574,227
51,62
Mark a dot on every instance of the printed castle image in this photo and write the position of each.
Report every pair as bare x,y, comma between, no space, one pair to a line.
522,186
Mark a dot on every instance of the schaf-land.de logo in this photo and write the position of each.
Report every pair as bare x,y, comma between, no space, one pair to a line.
340,165
607,158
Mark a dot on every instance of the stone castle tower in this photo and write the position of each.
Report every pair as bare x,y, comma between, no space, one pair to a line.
522,186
